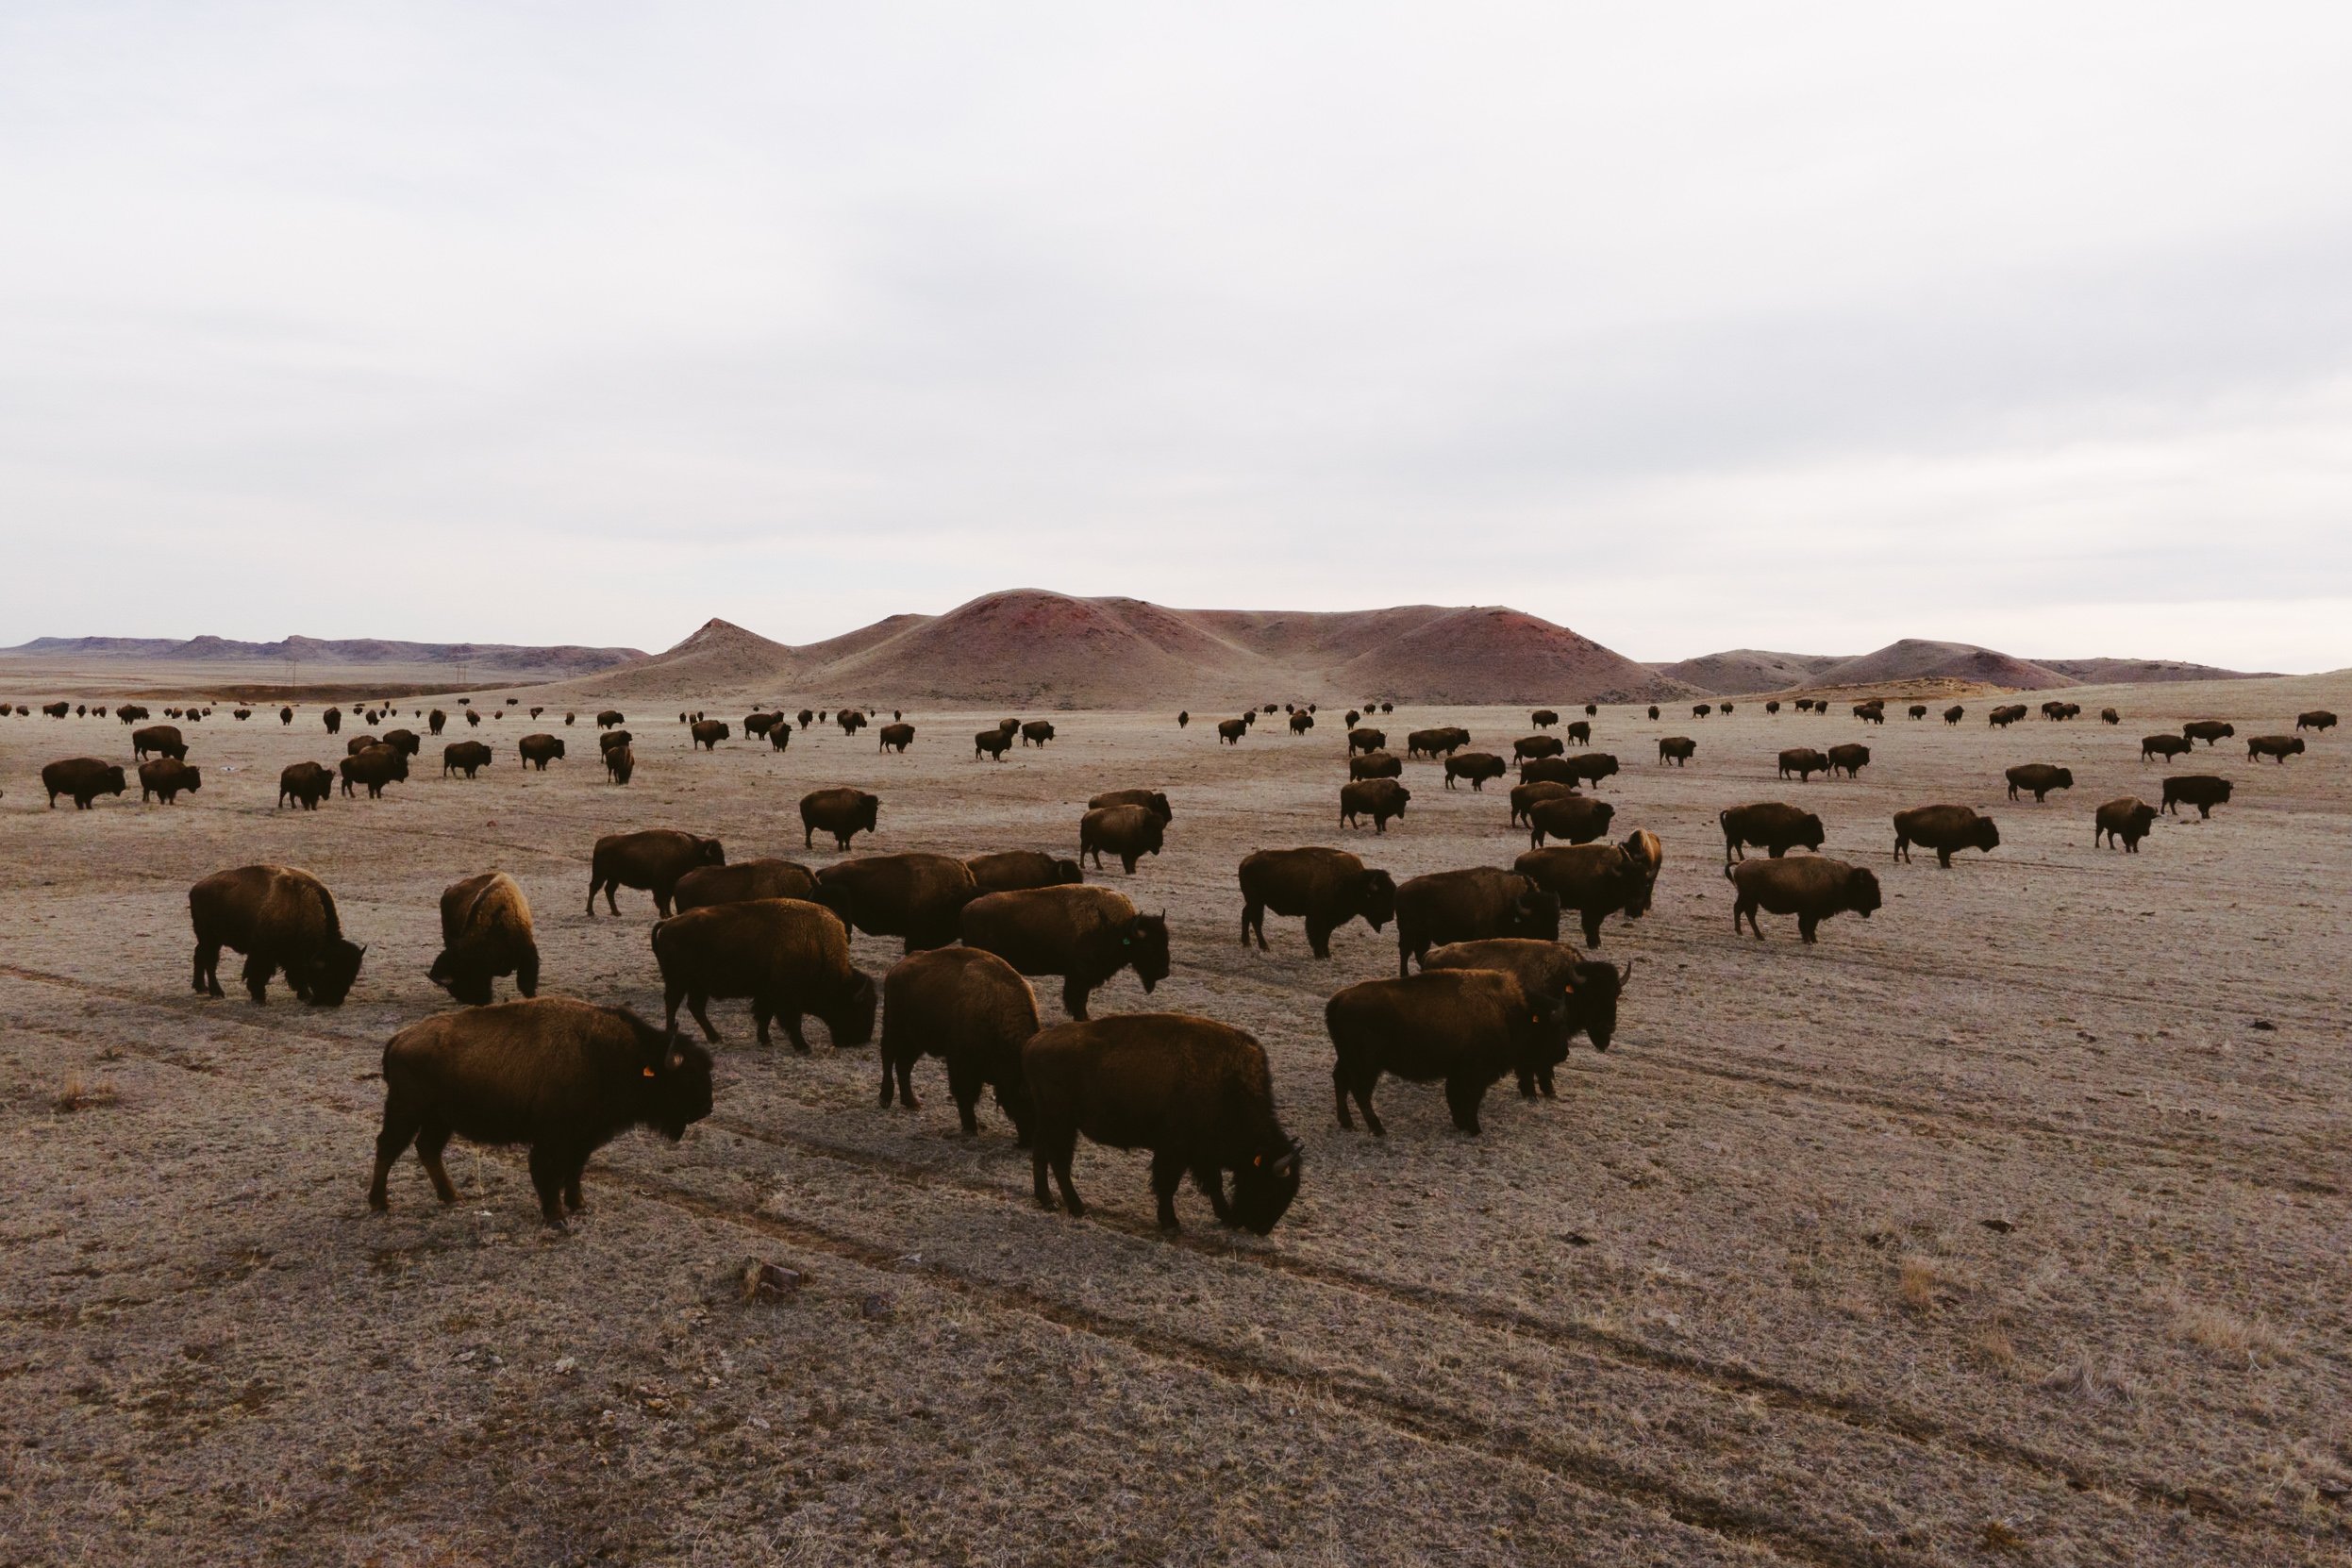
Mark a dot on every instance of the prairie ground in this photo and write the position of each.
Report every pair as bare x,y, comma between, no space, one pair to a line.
2011,1225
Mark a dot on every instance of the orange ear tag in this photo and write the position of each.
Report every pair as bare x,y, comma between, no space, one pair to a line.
649,1072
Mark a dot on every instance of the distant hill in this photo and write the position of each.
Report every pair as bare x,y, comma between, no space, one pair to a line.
1741,671
1916,658
485,659
2141,672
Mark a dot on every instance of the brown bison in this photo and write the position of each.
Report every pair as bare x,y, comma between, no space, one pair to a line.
1678,749
1594,879
610,719
1084,934
1037,731
372,769
804,716
2001,718
2278,747
2318,718
1477,767
2165,746
1813,890
894,737
1590,990
1804,762
1198,1094
1328,887
333,719
1366,739
652,861
1156,800
1130,833
307,783
1537,745
781,736
916,897
1443,741
1592,767
560,1076
1945,829
485,932
2207,730
1580,733
741,882
1771,825
407,742
1872,712
1653,710
1919,710
851,720
1466,1027
1376,798
1466,905
466,757
164,739
167,777
842,812
787,958
1543,718
1185,717
1850,759
621,764
1576,819
358,743
1012,870
1376,764
707,733
757,723
1301,722
2038,779
539,750
1955,713
1524,795
2126,822
613,740
2200,790
1550,770
1700,709
2109,716
975,1012
279,918
995,742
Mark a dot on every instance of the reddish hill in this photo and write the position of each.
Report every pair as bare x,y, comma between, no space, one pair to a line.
1739,672
1916,658
719,657
1493,654
1033,647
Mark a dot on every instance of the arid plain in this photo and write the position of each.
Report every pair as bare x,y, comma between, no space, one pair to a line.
2009,1225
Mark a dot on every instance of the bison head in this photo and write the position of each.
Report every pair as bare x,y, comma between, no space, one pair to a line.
2063,778
1862,887
1144,945
466,981
851,1017
677,1082
1537,916
333,973
1262,1190
1376,899
1983,835
1593,996
711,852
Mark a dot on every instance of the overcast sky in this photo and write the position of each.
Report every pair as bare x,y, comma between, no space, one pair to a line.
1794,326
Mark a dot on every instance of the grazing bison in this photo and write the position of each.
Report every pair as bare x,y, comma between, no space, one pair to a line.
1851,759
973,1010
1376,764
1477,767
1578,819
1943,830
2318,718
1872,712
652,859
2278,747
917,897
1955,713
466,757
741,882
372,769
787,958
1444,741
307,783
562,1077
2109,716
1590,990
1156,800
1130,833
2207,730
1301,722
1328,887
1773,707
894,737
1594,879
621,764
1197,1093
2200,790
2165,746
1037,731
1464,906
2001,718
129,713
1010,869
997,741
279,918
164,739
1678,749
1804,762
1537,745
1813,890
1467,1028
2126,822
485,932
333,719
610,719
1366,739
1526,796
540,750
2039,778
707,733
1771,825
842,812
1580,733
1543,718
168,776
1084,934
1378,799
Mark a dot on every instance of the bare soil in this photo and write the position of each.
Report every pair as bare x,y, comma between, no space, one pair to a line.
2011,1225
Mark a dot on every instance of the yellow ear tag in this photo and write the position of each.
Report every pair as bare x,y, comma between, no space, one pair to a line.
649,1072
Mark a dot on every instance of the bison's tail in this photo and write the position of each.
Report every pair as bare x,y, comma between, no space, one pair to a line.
327,912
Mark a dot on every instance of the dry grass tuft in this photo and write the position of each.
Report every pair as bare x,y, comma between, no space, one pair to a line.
1997,1537
2086,1380
78,1095
1920,1286
2229,1336
1995,1346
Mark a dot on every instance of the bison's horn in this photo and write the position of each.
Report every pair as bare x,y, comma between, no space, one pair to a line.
1626,974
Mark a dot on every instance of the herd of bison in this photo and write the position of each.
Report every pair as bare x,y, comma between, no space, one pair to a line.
1485,989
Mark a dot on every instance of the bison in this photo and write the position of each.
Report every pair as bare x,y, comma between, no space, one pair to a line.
1919,710
1037,731
1084,934
707,733
1653,710
2278,747
485,932
2110,716
1301,722
916,897
540,750
1477,767
1700,709
1590,990
1464,905
2318,718
1443,741
1328,887
1945,829
2207,730
1543,718
1366,739
2039,778
1580,733
1813,890
789,957
2001,718
975,1012
2165,746
372,769
1850,759
1804,762
2200,790
1678,749
621,764
743,881
1198,1094
167,777
613,740
1578,819
164,739
1184,717
1130,833
1157,800
1522,796
466,757
1955,713
997,741
333,719
281,918
1771,825
1378,799
307,783
894,737
1594,879
1537,745
652,859
562,1077
1376,764
1467,1028
2126,822
1010,869
610,719
842,812
1592,767
407,742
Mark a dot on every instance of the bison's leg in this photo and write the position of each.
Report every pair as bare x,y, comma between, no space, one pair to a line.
1806,924
400,1131
573,1199
1073,994
1128,861
432,1137
1039,1161
965,1080
208,975
1319,936
257,972
1593,925
1210,1177
1339,1094
1744,907
549,1170
1462,1097
1902,847
1944,859
595,883
887,1081
1253,915
791,1018
1167,1175
763,1007
527,972
1362,1086
698,1003
1526,1083
1066,1145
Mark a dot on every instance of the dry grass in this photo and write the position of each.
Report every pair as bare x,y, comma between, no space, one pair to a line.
78,1095
2226,1335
